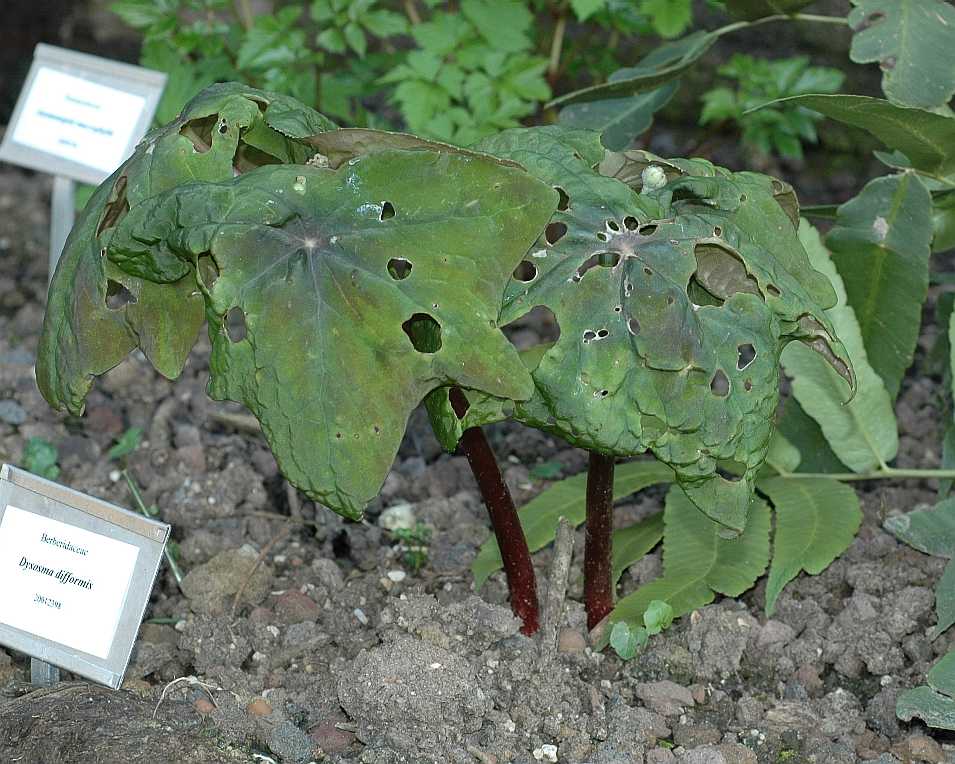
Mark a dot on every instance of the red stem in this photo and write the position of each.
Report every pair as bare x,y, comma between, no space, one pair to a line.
518,568
598,544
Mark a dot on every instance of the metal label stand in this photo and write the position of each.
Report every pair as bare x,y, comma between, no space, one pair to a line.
62,217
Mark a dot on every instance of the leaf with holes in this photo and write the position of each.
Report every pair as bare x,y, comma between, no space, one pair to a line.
97,312
698,562
816,521
913,41
757,9
862,432
881,244
672,306
356,292
566,498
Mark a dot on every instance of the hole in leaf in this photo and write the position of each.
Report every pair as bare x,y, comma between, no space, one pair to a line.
648,271
525,271
612,225
590,335
199,132
399,268
746,354
648,230
720,384
631,223
742,198
731,470
602,333
601,393
633,326
773,290
699,296
424,333
387,211
721,272
115,209
208,271
598,260
554,233
669,299
223,127
602,236
118,296
563,201
717,231
617,308
235,327
748,385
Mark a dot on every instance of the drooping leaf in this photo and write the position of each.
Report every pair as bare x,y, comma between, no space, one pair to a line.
816,521
929,530
932,703
357,291
804,433
861,432
619,120
666,63
926,138
566,499
757,9
783,456
96,313
672,306
631,544
881,246
913,41
698,562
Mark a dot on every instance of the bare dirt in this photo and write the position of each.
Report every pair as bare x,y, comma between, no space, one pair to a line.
336,650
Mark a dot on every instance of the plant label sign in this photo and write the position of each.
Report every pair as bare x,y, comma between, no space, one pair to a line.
80,116
77,573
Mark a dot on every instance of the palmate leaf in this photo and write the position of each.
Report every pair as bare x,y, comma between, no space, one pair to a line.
671,313
89,327
933,703
816,521
360,289
568,499
757,9
926,138
862,432
881,247
913,41
698,562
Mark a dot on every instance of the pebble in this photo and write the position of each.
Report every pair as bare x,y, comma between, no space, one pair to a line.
330,739
360,615
398,517
295,607
397,576
546,752
571,641
204,706
12,412
259,707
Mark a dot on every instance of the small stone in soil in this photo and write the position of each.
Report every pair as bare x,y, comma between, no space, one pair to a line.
259,707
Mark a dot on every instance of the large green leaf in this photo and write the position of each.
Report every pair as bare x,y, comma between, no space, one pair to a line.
619,120
881,247
567,499
665,64
913,41
223,129
945,600
698,562
804,433
933,703
929,530
333,273
630,544
816,521
926,138
757,9
862,432
672,306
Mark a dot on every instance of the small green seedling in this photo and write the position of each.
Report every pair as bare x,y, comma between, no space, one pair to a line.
413,545
627,640
126,444
40,457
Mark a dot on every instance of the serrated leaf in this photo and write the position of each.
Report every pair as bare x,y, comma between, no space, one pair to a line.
632,543
816,521
782,456
757,9
945,600
666,63
805,434
669,18
566,499
503,23
583,9
83,336
658,301
913,41
926,138
929,530
619,120
861,432
881,246
307,255
698,562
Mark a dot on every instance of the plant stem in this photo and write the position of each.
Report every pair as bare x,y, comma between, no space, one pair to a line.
887,473
246,16
812,17
556,46
598,544
141,505
521,581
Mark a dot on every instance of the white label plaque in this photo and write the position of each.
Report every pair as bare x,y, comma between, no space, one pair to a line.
75,575
61,582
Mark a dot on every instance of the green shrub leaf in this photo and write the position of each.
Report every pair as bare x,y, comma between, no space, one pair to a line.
913,41
933,703
881,246
862,432
816,521
567,499
618,120
630,544
929,530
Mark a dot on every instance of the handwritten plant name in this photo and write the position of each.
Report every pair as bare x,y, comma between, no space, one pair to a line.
63,576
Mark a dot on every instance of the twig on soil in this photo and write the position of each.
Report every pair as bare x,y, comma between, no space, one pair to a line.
556,586
258,561
294,503
159,426
193,682
242,422
482,756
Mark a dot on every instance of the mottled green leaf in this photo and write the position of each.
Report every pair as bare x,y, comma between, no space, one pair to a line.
332,272
757,9
929,530
881,246
782,456
632,543
566,499
862,432
926,138
913,41
804,433
618,120
816,521
932,703
698,562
